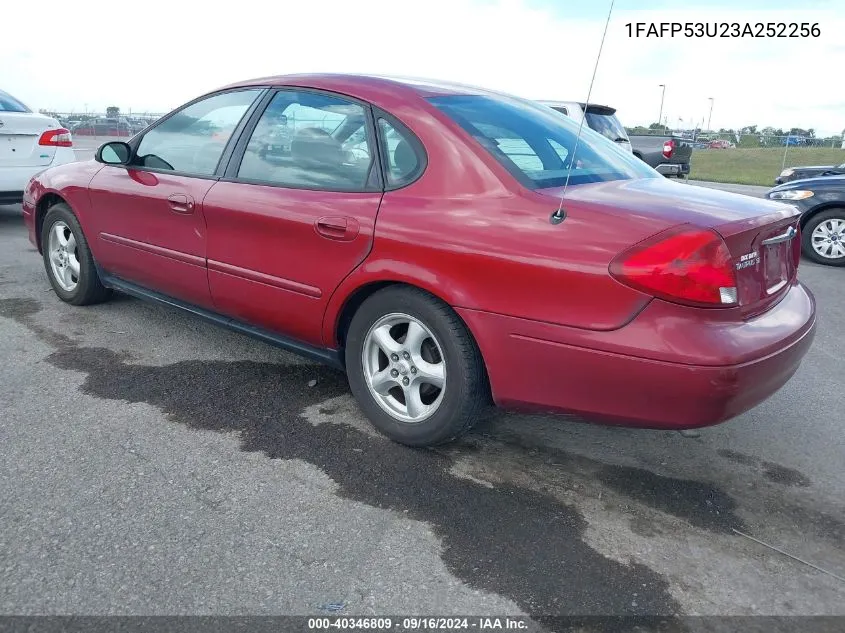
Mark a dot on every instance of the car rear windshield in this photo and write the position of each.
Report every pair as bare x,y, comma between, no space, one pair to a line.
606,125
537,145
9,104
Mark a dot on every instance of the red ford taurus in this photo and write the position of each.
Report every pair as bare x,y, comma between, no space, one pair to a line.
444,245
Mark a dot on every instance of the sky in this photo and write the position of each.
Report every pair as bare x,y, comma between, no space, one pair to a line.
155,55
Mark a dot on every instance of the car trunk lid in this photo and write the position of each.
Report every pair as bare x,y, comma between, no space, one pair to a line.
761,235
766,250
19,134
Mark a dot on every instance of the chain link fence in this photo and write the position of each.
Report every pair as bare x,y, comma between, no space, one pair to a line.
105,124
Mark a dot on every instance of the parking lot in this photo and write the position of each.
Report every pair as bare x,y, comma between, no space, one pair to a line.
153,463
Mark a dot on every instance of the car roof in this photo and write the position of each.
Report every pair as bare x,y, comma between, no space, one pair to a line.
367,86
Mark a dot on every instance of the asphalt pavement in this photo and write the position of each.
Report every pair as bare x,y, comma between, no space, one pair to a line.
156,464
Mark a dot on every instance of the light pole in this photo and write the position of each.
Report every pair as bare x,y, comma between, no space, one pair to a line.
710,116
662,94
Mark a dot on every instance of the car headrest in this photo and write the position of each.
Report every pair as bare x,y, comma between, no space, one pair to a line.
405,158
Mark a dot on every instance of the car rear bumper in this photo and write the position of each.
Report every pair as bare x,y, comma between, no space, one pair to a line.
540,367
673,169
14,178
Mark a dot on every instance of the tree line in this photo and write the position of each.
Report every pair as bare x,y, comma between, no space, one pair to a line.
750,135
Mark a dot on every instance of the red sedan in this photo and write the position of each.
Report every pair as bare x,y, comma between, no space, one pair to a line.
446,246
720,144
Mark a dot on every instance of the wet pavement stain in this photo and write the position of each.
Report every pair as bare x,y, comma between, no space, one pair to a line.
22,311
785,476
773,472
702,504
515,542
736,456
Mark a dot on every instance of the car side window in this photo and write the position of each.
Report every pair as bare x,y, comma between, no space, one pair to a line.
192,140
402,162
308,140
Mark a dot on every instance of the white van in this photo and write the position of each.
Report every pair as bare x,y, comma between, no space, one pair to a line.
600,118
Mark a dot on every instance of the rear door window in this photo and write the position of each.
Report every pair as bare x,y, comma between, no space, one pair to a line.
308,140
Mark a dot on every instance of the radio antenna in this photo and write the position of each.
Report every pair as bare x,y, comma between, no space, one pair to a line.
557,216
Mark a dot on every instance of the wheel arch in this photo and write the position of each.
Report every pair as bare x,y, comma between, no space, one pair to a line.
45,202
347,299
825,206
340,324
351,295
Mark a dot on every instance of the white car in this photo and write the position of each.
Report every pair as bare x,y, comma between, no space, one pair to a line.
29,143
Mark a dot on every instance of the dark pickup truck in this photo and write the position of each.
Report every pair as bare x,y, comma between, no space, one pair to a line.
669,155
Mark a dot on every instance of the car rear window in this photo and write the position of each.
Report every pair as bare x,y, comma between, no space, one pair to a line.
9,104
536,145
606,125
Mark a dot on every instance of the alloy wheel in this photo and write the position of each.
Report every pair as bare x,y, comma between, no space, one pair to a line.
404,367
828,238
64,259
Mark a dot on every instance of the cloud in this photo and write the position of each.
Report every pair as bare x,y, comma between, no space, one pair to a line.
165,53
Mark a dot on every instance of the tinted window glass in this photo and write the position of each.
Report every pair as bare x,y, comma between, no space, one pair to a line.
516,149
9,104
403,163
606,125
536,144
193,139
309,141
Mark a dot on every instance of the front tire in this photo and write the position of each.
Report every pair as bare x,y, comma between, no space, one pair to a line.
68,260
823,238
414,367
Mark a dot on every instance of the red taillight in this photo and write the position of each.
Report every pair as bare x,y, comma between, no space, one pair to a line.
56,138
686,265
668,148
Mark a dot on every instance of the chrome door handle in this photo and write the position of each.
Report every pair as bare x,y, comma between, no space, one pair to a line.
783,237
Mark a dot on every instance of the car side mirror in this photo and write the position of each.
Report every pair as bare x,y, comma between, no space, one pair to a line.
114,153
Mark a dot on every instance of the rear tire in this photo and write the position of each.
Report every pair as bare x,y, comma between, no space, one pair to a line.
823,233
401,344
68,260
